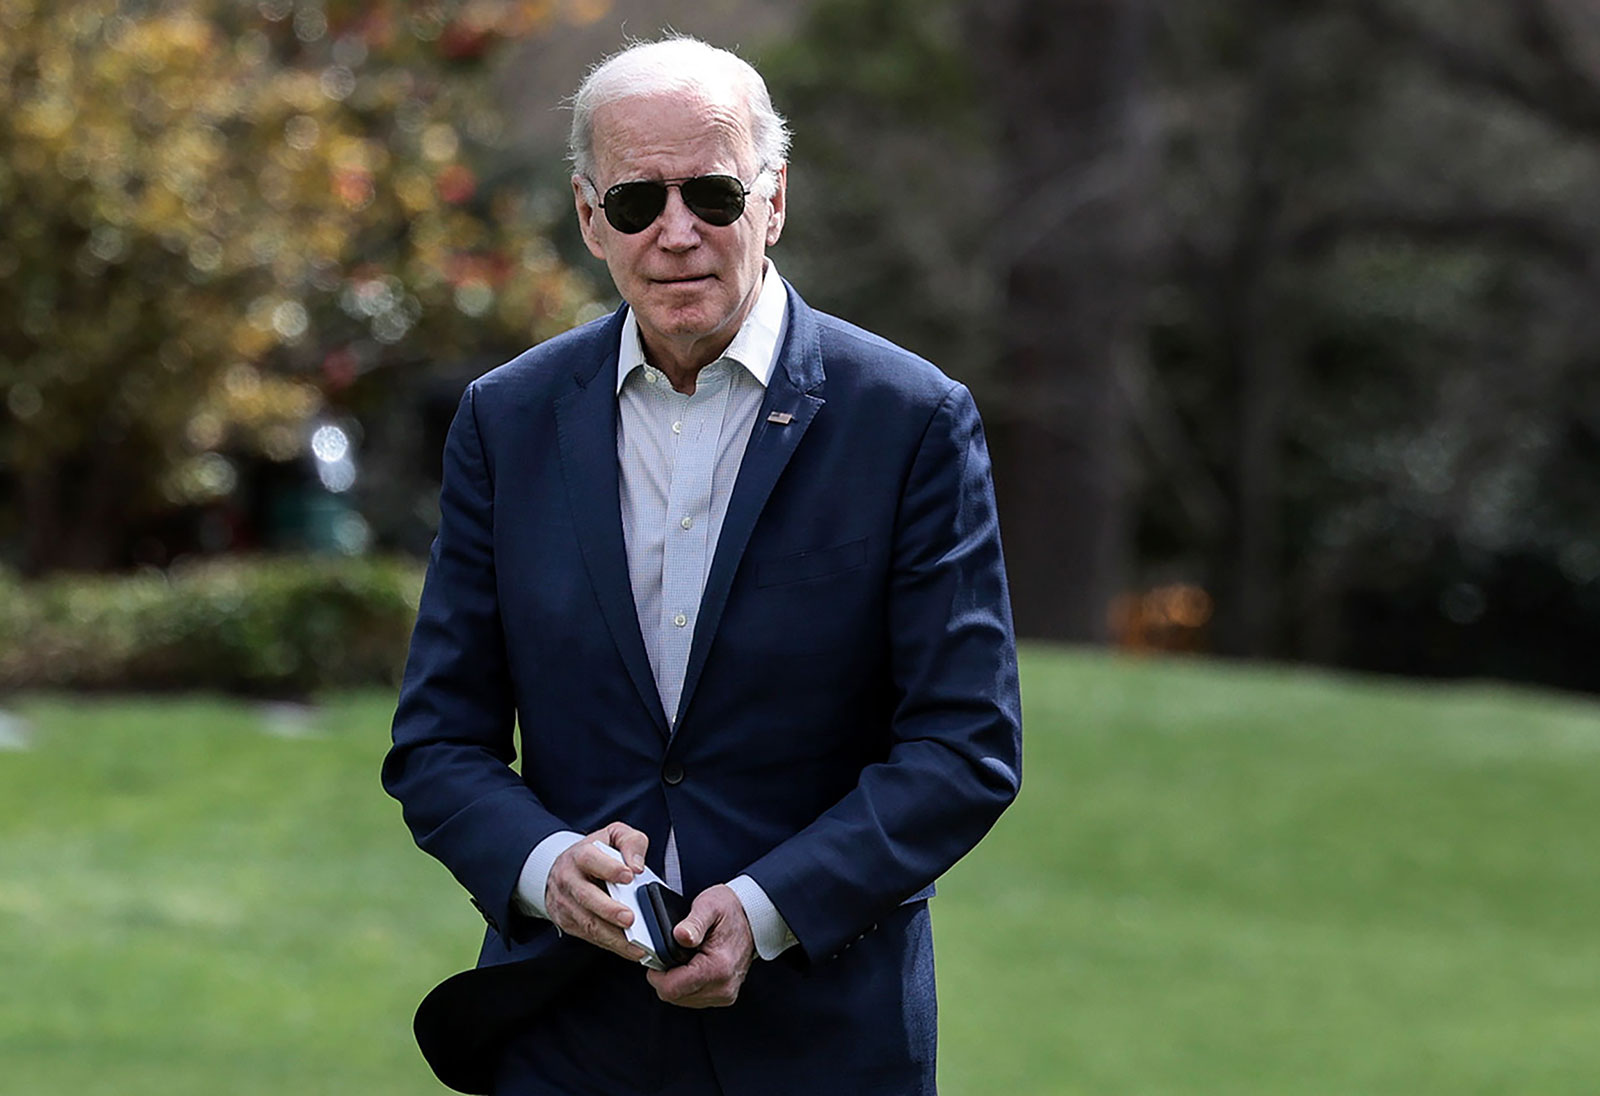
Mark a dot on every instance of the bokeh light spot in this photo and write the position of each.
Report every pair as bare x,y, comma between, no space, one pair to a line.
474,298
1580,562
1463,603
310,24
351,534
302,132
329,443
440,142
337,476
337,82
24,401
290,320
107,244
205,254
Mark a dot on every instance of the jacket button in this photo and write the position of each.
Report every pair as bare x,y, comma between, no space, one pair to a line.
672,773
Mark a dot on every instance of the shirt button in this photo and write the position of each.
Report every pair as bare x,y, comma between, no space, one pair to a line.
680,620
672,773
677,428
687,522
650,375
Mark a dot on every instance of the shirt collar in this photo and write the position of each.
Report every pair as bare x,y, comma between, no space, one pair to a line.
755,346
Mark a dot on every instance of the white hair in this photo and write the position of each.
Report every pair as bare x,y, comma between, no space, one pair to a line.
680,63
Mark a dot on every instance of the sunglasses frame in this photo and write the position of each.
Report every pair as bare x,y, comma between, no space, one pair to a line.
604,202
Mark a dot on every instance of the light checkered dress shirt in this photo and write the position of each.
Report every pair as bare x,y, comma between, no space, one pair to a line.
678,456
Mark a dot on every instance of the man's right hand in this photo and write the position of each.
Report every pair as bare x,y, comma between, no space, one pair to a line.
575,896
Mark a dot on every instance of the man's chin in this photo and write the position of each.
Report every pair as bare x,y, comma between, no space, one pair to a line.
680,323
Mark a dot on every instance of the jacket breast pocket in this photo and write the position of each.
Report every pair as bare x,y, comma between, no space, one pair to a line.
813,563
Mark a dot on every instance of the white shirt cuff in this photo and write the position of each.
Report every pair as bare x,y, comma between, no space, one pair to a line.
767,925
536,871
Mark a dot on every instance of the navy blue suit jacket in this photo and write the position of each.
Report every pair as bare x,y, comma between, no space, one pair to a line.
850,723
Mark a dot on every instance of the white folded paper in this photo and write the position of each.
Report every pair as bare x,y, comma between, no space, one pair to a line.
628,895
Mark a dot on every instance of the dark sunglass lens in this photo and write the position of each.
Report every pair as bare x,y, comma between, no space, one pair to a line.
715,199
631,207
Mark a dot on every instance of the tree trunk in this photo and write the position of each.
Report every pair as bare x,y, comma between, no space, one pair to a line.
1067,84
77,514
41,519
1251,576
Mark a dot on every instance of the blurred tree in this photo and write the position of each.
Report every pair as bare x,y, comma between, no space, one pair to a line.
891,156
1259,123
1067,85
967,181
1355,380
217,219
1490,150
1403,479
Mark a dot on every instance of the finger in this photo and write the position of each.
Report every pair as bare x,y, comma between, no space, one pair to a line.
681,984
696,985
594,901
605,935
690,931
594,863
613,941
705,913
586,925
631,843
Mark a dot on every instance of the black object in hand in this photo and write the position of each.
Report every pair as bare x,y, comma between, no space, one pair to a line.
663,908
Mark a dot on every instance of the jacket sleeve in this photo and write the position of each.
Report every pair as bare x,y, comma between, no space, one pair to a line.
955,758
450,765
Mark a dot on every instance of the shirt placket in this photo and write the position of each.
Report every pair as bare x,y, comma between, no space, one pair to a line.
696,425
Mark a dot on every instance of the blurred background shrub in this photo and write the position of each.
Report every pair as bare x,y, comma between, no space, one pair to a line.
273,626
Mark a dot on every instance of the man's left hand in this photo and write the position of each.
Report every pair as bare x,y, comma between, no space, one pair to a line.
718,927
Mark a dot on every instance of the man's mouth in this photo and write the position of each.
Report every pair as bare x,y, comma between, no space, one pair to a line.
688,279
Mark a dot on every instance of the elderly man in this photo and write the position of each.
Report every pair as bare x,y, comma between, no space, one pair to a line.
730,570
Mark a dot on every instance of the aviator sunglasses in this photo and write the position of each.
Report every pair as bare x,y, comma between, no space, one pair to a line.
633,207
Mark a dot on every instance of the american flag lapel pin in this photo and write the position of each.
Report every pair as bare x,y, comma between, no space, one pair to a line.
782,418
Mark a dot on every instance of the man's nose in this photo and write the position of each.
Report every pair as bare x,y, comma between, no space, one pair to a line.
680,229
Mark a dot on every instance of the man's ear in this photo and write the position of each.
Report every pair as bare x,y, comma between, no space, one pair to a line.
779,202
588,210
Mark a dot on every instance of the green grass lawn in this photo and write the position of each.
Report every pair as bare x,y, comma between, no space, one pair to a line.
1218,880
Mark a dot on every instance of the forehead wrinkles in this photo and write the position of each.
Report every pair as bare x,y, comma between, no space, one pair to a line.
670,137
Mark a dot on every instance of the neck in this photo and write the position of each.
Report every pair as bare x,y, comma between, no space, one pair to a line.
681,364
682,358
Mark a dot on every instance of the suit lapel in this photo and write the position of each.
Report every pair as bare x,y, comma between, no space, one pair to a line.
586,426
792,402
